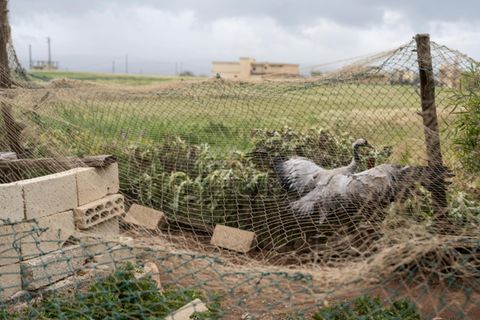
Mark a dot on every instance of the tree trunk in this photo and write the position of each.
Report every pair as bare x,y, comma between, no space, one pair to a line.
5,76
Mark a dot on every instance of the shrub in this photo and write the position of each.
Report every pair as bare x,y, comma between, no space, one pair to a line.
466,129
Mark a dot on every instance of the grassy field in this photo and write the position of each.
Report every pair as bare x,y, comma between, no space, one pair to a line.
125,79
224,114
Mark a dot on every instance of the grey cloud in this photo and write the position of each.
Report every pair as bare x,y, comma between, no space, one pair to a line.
288,12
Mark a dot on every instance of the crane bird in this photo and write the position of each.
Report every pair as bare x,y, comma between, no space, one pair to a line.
374,188
303,175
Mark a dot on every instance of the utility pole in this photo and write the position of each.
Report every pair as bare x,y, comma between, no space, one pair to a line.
30,61
5,80
49,63
113,66
126,63
176,68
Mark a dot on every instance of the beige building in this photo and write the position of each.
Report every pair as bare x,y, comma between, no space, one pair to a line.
248,68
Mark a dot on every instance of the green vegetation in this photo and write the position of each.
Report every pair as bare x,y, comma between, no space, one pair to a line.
365,307
125,79
118,296
467,123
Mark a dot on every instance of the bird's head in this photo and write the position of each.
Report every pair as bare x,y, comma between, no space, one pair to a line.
361,143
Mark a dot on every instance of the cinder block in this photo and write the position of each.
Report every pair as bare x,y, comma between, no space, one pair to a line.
96,183
49,194
185,312
11,202
10,281
145,217
106,228
93,213
52,232
232,238
47,269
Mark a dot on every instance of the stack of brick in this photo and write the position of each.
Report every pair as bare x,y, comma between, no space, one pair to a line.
37,217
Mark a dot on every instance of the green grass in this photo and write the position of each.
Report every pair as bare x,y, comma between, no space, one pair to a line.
224,114
117,296
125,79
366,307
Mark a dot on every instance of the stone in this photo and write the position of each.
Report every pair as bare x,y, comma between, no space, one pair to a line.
49,194
145,217
52,232
232,238
151,269
47,269
98,211
11,203
96,183
185,312
10,281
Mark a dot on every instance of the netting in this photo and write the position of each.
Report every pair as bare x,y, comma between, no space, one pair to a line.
331,179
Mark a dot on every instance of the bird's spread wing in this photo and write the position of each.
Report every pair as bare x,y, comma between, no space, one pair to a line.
298,174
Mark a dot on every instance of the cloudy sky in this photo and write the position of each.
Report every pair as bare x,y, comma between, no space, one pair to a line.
162,35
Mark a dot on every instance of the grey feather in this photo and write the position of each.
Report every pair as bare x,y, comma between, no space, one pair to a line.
302,175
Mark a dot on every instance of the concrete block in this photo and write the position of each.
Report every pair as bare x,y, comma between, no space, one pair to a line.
10,281
47,269
96,212
49,194
232,238
108,228
116,256
145,217
96,183
52,232
11,202
10,240
185,312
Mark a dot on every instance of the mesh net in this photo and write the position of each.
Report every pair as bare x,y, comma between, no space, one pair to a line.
327,216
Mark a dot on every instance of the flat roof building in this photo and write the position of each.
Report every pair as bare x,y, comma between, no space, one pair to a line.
248,68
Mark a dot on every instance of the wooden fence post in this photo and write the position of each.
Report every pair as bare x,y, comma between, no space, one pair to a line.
436,183
5,77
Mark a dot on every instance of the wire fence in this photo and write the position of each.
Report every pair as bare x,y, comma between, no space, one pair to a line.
269,199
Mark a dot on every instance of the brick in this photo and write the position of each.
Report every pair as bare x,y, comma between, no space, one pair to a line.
49,268
10,281
93,213
11,202
185,312
232,238
145,217
106,228
49,194
96,183
52,232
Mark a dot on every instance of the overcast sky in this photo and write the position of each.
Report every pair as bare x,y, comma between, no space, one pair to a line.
88,35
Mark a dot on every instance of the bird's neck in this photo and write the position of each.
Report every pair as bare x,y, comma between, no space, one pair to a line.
355,158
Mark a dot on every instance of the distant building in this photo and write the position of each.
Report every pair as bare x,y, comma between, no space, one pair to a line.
248,68
44,65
